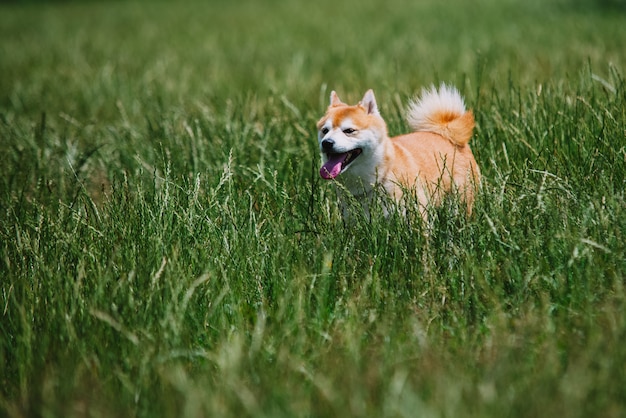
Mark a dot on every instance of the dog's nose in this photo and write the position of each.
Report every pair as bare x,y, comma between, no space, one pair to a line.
328,144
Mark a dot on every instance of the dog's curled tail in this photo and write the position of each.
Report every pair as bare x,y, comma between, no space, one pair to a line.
442,112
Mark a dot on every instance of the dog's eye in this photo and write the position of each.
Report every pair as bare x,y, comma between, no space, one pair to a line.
349,131
324,131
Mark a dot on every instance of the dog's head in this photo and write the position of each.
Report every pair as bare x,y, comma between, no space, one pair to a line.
350,137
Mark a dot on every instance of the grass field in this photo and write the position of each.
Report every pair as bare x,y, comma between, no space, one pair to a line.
167,247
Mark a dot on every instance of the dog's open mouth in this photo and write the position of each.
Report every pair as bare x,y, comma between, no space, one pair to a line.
338,162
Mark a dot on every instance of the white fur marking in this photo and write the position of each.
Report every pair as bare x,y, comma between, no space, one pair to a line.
346,123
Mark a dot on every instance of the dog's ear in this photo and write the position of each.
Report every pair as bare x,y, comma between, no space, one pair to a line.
334,99
369,103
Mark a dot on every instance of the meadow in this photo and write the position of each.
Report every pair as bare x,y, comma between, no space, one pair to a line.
167,247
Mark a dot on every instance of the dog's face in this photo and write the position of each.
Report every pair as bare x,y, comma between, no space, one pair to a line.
350,137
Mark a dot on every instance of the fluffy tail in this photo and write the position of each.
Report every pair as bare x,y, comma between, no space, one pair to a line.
442,112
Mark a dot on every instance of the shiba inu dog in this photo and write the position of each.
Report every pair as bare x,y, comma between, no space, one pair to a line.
432,161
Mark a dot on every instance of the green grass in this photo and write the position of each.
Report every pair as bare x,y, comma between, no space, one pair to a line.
167,247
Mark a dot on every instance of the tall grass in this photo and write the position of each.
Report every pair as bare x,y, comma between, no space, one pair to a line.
168,248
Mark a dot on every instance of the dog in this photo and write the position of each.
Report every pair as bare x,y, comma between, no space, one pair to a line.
431,162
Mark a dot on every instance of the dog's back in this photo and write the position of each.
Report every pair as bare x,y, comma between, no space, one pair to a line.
436,158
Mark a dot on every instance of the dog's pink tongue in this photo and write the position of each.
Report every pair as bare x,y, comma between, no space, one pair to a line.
332,167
